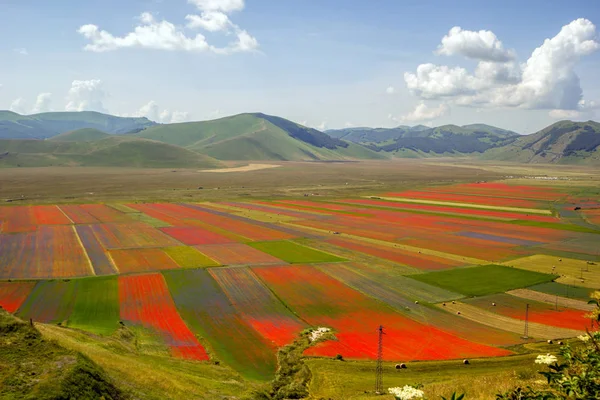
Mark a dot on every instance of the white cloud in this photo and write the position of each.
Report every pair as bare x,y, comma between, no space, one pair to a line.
86,96
219,5
165,35
424,113
321,127
151,110
348,124
482,45
42,103
546,81
22,51
212,21
585,110
390,90
18,106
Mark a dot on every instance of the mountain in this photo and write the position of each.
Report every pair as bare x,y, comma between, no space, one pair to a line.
421,141
81,135
257,136
47,125
111,151
564,142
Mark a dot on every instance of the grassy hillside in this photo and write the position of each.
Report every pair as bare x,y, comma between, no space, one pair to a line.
32,367
81,135
113,151
421,141
46,125
257,137
564,142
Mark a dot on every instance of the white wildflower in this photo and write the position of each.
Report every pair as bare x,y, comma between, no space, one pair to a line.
318,333
406,393
583,338
546,359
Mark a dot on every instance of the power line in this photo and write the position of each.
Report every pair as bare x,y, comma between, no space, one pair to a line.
379,368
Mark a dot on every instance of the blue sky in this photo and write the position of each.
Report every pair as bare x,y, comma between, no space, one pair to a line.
324,63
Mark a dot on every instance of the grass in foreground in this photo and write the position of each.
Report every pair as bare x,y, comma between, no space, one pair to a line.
482,379
482,280
294,253
32,367
152,376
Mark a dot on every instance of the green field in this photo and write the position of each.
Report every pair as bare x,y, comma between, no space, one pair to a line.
483,280
562,290
96,306
189,257
294,253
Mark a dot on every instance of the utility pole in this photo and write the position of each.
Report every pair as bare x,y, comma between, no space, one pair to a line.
526,334
379,368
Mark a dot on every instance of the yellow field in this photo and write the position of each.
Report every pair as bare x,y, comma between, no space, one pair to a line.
484,317
251,214
551,299
571,271
468,205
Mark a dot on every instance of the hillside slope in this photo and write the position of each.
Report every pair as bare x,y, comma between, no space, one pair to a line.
34,368
257,137
421,141
46,125
564,142
81,135
112,151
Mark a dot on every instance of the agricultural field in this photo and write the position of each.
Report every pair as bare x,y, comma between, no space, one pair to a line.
224,285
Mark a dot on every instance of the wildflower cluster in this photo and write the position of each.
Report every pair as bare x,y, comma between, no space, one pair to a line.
318,333
546,359
406,393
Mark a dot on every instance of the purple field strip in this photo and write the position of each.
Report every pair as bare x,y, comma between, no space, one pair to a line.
275,227
96,253
17,252
501,239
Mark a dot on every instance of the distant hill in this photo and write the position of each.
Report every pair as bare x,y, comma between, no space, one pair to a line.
564,142
112,151
421,141
47,125
81,135
257,137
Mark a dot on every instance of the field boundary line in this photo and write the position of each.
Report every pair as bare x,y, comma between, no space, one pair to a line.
454,257
551,299
482,316
87,257
65,214
112,261
466,205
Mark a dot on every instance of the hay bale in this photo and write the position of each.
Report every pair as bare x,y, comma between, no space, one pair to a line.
403,366
398,366
458,313
444,304
550,341
494,304
466,362
560,343
416,302
453,302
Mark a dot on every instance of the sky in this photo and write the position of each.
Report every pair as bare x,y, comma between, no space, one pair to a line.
518,65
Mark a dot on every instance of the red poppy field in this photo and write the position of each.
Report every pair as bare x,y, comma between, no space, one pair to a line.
223,281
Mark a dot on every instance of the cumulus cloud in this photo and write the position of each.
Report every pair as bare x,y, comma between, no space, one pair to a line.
42,103
19,106
423,113
22,51
152,111
86,96
547,80
390,90
482,45
585,110
164,35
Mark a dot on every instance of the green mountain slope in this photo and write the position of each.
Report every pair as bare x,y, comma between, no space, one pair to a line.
564,142
257,137
113,151
46,125
36,368
81,135
421,141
